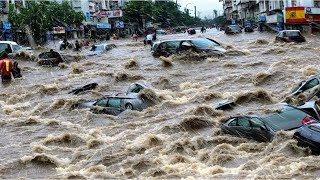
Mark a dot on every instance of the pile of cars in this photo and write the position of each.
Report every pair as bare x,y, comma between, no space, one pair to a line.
303,117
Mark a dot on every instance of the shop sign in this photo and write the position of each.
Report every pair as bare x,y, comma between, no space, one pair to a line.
103,26
6,25
110,14
58,30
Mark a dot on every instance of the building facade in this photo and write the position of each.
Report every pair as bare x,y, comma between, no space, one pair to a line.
274,14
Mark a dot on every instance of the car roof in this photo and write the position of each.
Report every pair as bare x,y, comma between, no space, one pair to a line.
187,39
9,42
273,117
290,31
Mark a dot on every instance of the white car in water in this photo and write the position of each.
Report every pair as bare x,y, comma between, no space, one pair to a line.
99,49
12,46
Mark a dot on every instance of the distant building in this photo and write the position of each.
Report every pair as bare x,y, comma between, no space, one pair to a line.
274,14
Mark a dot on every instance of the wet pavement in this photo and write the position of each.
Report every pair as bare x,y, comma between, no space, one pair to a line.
43,137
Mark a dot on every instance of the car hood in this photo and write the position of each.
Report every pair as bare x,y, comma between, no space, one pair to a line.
89,104
92,53
219,49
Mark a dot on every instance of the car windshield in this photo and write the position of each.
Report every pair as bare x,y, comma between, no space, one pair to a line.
287,118
99,47
135,88
292,33
204,43
15,48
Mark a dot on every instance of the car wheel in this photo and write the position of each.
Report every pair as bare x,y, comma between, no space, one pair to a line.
128,106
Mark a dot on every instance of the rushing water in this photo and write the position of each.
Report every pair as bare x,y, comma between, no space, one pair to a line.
43,137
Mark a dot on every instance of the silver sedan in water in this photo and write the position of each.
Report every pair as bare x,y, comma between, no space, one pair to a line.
99,49
169,47
115,105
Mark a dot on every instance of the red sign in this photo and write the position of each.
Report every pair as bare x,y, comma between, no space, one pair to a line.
313,17
295,15
58,30
110,14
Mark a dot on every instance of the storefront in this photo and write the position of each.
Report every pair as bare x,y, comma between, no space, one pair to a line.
103,30
275,21
305,19
58,32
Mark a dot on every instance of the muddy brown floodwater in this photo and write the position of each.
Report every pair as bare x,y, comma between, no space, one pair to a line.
42,137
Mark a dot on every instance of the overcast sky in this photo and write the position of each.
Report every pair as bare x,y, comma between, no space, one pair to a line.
205,7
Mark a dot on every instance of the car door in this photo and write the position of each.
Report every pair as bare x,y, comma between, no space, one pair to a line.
259,131
240,127
161,50
101,104
244,128
113,106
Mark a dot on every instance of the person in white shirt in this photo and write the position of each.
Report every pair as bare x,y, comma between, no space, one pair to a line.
149,39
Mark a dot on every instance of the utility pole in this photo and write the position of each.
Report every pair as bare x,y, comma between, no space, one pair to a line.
195,11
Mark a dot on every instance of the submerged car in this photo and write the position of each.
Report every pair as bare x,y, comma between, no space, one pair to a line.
290,36
233,29
309,136
49,58
169,47
264,128
99,49
12,47
305,85
115,105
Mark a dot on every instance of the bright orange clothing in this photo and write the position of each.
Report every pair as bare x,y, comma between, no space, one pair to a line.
5,67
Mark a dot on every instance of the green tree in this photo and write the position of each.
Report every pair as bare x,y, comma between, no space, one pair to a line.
138,12
43,16
166,13
220,20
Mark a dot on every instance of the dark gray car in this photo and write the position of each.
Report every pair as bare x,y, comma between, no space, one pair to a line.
264,128
169,47
305,85
309,136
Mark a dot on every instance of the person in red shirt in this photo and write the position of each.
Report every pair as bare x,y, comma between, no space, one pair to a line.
5,68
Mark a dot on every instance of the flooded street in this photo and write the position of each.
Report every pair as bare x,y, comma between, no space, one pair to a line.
42,136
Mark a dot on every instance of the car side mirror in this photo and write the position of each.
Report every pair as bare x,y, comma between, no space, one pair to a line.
263,128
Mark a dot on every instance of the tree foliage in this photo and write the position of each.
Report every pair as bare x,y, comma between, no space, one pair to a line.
42,16
220,20
166,13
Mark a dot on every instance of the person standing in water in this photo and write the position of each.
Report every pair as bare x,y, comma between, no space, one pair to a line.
5,68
